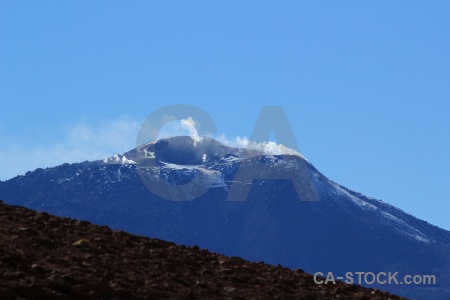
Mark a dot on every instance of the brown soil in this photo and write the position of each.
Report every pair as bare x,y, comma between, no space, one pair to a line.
48,257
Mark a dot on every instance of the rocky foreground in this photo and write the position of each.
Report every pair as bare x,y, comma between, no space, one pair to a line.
48,257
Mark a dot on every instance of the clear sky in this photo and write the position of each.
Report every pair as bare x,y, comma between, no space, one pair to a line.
365,84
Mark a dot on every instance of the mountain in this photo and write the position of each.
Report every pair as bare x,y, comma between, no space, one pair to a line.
343,231
48,257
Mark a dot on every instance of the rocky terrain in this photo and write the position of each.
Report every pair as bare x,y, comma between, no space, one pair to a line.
48,257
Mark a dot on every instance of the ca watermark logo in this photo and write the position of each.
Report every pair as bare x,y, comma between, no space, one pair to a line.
252,167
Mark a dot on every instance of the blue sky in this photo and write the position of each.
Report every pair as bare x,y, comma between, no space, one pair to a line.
365,85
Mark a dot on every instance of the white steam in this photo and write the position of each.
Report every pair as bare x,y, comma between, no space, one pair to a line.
189,126
268,148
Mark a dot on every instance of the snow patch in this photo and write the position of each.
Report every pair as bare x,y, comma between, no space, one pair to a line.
361,203
401,226
119,159
148,154
405,228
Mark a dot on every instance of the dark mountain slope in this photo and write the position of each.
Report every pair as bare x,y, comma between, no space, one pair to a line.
48,257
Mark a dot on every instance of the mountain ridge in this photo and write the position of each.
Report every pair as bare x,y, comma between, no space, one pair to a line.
342,232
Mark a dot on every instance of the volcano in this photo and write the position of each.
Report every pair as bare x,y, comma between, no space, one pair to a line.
341,231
